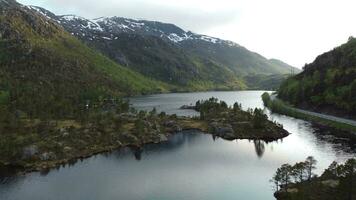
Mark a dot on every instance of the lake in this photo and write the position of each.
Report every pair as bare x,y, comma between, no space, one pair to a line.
190,166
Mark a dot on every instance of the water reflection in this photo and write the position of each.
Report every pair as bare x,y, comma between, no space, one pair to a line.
259,147
190,165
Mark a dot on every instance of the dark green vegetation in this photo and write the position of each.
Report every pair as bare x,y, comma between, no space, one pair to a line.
298,181
35,144
265,82
279,106
45,72
234,123
328,84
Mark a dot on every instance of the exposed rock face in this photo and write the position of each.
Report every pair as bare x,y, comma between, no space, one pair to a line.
223,130
173,125
163,137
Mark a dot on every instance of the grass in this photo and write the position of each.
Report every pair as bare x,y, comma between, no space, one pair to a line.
281,107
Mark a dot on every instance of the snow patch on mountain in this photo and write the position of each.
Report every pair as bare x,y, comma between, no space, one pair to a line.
108,28
175,38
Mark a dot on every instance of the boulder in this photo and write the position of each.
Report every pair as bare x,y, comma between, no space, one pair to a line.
64,132
163,138
47,156
223,130
29,151
173,125
67,149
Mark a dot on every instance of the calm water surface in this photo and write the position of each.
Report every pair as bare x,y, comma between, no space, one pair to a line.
189,166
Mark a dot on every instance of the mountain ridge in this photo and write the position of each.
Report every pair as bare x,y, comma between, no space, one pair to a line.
104,32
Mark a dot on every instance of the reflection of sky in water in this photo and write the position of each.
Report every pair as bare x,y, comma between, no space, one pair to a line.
189,166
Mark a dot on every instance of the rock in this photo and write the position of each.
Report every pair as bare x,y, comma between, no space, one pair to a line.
148,124
130,117
47,156
29,152
63,132
173,125
67,149
292,190
223,130
163,138
156,126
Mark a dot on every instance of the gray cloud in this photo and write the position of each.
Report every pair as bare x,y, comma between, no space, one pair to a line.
188,17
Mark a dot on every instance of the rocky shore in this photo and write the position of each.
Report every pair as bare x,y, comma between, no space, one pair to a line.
59,142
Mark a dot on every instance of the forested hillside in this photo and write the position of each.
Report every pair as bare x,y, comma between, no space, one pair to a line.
44,71
328,84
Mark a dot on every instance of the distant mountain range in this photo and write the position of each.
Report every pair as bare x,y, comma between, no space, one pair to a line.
53,65
167,53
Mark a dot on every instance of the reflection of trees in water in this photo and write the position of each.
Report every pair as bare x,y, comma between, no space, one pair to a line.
259,147
340,140
174,142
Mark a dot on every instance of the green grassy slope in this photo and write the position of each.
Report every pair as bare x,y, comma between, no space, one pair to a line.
163,61
44,70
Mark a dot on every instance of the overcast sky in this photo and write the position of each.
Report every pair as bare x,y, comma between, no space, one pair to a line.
295,31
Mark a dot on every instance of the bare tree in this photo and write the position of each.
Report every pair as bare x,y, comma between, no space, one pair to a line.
310,165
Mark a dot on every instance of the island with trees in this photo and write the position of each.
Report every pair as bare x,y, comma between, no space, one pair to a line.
298,182
30,144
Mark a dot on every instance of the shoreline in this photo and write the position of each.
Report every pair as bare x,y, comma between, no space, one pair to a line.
278,106
57,142
44,166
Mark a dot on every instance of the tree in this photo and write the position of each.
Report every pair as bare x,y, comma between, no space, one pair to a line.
277,179
348,173
299,172
285,172
237,106
259,118
310,164
332,170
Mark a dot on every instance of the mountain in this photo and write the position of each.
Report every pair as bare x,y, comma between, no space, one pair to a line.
265,82
328,84
168,53
46,71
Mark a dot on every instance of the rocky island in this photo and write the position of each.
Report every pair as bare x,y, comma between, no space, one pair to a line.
35,145
294,182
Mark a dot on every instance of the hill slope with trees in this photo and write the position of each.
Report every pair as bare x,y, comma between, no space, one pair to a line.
328,84
46,71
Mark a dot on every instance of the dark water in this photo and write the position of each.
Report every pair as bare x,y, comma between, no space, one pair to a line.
189,166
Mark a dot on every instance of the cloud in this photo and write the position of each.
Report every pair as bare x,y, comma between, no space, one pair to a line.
198,16
293,31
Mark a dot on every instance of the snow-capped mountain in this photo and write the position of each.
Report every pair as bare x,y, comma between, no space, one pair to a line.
164,51
108,27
